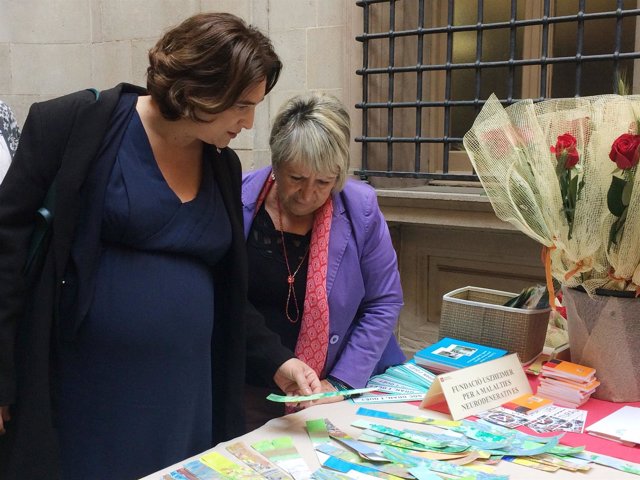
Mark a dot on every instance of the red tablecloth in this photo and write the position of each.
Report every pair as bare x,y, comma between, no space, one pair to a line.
596,409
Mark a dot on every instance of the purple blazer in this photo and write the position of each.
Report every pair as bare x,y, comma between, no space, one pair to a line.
363,283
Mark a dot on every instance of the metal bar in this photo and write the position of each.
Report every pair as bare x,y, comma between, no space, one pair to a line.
365,90
579,46
391,84
502,63
419,60
407,139
546,22
498,25
478,62
419,104
512,50
447,87
544,51
616,49
362,3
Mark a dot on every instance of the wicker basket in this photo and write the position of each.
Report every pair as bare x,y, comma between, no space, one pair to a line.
476,315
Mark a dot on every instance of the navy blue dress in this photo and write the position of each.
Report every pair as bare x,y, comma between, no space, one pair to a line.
135,390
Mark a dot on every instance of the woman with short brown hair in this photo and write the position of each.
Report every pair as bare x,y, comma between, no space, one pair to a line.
128,353
206,63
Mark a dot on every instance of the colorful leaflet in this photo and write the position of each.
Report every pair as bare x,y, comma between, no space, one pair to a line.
201,471
419,439
228,468
503,431
326,474
503,441
390,387
346,467
367,412
610,462
175,475
348,456
383,439
426,376
330,450
255,462
531,463
410,397
283,453
573,464
410,461
316,396
380,382
422,472
364,450
318,434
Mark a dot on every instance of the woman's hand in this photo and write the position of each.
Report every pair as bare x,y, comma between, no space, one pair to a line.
294,377
5,416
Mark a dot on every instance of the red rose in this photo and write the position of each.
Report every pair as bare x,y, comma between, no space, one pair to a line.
566,149
624,151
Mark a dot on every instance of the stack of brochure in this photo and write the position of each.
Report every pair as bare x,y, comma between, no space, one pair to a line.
399,383
567,384
451,354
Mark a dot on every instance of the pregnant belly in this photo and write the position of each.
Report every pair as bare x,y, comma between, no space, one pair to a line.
148,303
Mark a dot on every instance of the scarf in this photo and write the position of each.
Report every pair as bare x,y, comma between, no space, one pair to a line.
313,339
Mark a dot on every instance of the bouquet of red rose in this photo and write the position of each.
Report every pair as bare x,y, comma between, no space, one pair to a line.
568,157
624,152
547,169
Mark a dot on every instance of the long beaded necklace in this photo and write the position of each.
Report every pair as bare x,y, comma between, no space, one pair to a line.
291,277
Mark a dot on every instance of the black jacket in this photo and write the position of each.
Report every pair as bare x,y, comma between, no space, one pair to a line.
61,139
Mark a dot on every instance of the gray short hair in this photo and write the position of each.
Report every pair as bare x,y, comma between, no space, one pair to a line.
315,131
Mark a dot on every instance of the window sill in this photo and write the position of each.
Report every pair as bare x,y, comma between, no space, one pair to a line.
453,207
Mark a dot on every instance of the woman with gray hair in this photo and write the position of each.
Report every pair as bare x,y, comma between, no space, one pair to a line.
322,269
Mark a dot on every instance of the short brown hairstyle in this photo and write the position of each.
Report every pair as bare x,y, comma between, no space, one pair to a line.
206,63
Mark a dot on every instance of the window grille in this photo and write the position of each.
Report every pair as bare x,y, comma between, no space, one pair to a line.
429,65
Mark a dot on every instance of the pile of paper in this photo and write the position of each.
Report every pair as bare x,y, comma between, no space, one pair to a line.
429,448
549,418
622,426
399,383
567,384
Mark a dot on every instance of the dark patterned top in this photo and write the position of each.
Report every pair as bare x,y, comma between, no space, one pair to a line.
9,135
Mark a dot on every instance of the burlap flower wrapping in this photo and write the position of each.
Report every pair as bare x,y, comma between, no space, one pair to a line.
546,168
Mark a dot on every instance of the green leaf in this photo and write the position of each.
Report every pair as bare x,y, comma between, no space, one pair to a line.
614,196
573,191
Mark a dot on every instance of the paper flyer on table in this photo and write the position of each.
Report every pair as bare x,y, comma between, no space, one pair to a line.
317,396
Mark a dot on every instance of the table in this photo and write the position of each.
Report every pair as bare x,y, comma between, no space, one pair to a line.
342,414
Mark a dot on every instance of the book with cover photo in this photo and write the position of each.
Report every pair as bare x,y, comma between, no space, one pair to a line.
450,354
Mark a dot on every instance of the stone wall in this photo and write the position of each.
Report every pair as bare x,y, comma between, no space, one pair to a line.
53,47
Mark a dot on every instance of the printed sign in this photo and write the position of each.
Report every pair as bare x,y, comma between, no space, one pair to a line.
478,388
